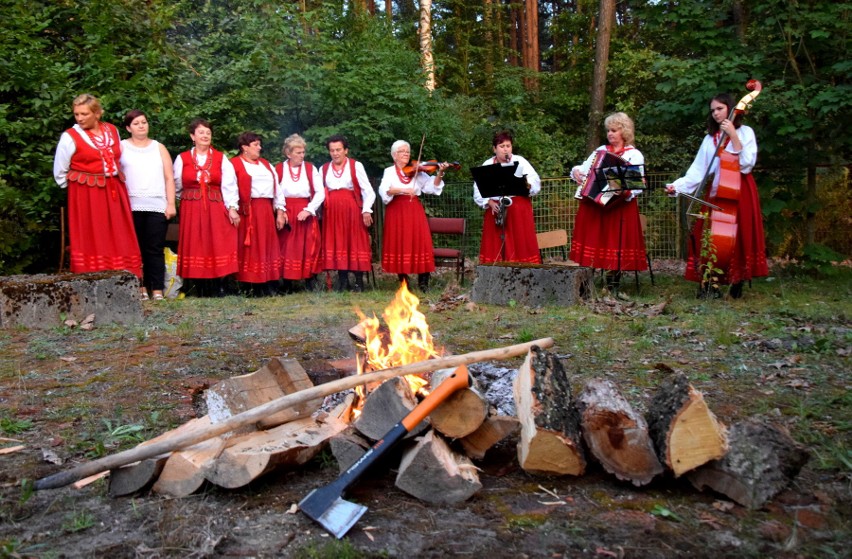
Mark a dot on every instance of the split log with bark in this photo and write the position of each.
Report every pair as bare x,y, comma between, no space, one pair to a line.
550,430
462,413
432,472
616,435
494,429
684,430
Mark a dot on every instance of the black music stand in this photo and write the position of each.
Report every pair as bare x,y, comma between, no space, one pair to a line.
500,180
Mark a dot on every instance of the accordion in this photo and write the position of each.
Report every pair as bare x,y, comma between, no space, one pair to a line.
608,177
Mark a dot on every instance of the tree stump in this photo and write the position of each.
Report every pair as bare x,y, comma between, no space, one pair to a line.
531,285
433,473
761,461
550,433
41,301
616,435
685,431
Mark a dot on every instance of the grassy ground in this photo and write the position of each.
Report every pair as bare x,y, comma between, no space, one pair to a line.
781,352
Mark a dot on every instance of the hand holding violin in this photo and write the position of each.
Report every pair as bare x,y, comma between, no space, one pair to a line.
429,167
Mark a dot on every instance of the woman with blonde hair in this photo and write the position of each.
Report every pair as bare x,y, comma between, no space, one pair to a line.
99,216
610,236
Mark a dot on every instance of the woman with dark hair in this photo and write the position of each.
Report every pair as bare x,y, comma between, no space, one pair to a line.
304,195
206,185
514,240
610,237
407,243
347,215
99,216
748,259
262,208
147,168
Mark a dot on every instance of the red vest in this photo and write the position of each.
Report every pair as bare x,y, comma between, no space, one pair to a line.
356,188
189,178
309,169
244,181
87,165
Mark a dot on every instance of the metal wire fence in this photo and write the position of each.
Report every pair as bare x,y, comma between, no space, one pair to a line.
554,208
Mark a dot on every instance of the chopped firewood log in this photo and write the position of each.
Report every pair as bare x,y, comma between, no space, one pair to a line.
386,406
761,461
684,430
140,475
494,429
616,435
250,456
550,430
184,470
462,413
433,473
279,377
347,447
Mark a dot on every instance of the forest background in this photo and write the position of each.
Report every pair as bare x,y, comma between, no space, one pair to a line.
454,71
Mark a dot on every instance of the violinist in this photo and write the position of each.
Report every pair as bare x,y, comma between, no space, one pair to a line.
748,259
515,240
347,215
610,237
407,242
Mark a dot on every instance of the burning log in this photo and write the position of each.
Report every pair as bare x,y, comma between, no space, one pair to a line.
685,431
250,456
761,461
494,429
617,436
279,377
384,407
142,452
433,473
462,413
550,432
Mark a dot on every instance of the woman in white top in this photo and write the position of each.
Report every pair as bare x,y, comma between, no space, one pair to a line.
147,168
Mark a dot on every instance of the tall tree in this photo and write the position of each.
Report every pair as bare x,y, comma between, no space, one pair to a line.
606,21
531,52
427,59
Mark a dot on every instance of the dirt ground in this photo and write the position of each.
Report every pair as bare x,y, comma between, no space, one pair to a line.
67,385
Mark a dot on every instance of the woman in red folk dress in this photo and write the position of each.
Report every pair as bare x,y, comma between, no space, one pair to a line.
515,240
748,259
206,185
347,215
610,237
100,221
300,238
262,208
407,243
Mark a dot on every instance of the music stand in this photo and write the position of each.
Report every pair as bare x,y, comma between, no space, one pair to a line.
500,180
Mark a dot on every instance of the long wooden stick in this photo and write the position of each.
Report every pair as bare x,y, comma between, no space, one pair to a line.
61,479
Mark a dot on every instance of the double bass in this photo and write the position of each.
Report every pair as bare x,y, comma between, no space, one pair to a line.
722,220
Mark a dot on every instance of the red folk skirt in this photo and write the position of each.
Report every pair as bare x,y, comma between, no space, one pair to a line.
300,244
749,256
345,240
521,244
100,226
207,242
257,244
609,237
407,243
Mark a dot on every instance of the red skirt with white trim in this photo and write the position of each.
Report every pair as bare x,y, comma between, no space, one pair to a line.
407,242
257,244
609,237
518,244
300,243
345,240
100,227
749,256
207,242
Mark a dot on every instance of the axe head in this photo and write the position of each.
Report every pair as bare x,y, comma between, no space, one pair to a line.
331,511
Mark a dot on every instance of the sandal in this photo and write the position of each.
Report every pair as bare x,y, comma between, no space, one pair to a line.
158,296
143,295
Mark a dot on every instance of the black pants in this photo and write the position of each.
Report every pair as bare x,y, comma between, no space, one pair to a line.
151,234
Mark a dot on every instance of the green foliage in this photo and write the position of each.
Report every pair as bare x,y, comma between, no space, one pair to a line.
11,426
78,521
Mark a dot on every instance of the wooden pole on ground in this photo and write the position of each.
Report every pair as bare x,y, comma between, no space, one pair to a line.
61,479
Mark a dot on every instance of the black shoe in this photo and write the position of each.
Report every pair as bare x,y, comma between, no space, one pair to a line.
311,284
423,282
736,290
359,282
342,283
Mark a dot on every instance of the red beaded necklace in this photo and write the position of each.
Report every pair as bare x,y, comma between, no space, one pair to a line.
402,178
297,175
337,173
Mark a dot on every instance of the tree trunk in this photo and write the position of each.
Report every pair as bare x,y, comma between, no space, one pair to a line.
389,10
810,203
426,58
532,55
514,24
487,22
606,20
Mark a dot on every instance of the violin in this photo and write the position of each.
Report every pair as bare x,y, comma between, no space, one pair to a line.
428,167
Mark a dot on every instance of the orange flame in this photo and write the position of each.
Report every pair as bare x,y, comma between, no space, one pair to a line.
406,340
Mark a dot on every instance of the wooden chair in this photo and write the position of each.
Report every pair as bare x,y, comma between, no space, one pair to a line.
445,256
558,238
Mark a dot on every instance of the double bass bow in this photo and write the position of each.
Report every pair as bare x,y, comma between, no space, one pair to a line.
722,219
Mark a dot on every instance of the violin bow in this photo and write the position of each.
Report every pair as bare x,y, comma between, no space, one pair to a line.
419,155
